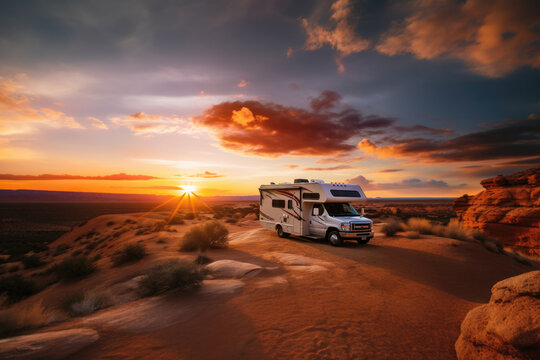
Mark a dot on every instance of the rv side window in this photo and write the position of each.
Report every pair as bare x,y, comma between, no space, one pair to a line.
311,196
320,207
278,203
289,204
345,193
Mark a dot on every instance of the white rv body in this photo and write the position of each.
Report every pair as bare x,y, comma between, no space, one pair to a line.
290,209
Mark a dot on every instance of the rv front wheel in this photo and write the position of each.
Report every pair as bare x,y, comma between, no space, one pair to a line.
334,238
281,233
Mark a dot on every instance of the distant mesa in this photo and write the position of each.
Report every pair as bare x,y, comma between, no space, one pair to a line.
508,210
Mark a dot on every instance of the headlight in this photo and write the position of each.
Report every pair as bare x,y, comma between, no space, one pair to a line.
345,227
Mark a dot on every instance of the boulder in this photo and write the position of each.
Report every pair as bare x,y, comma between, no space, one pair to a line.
507,210
233,269
47,345
508,327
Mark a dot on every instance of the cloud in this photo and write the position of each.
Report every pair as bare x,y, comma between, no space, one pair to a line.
19,112
291,166
422,129
148,124
97,123
338,34
390,170
535,161
161,187
207,175
516,139
120,176
269,129
242,83
492,37
342,158
337,167
413,183
327,100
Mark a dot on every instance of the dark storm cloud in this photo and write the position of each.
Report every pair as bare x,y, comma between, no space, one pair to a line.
515,139
269,129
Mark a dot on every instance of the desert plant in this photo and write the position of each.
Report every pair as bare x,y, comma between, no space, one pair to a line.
457,230
60,249
210,234
391,226
15,320
129,253
202,260
420,225
79,303
172,274
75,267
16,287
189,216
32,261
177,220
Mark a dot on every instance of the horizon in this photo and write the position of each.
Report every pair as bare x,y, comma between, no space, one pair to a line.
141,97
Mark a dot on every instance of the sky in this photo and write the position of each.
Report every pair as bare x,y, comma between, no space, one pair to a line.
407,98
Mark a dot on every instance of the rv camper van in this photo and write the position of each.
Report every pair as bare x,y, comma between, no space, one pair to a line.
314,209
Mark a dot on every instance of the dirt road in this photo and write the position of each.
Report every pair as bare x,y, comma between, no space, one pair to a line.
395,298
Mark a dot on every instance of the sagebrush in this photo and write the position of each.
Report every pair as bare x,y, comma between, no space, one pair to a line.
210,234
172,274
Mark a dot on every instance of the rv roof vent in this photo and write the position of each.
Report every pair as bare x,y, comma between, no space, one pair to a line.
317,181
297,181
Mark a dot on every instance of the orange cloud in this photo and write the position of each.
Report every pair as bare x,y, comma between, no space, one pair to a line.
150,124
268,129
339,34
97,123
207,175
242,83
120,176
19,114
492,37
332,168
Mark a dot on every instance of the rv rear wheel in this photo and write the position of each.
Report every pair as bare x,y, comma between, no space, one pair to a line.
334,238
281,233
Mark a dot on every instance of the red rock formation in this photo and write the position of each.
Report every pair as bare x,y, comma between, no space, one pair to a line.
508,210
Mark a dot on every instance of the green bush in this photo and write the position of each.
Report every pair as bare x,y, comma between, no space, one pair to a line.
210,234
75,267
391,226
15,287
173,274
130,253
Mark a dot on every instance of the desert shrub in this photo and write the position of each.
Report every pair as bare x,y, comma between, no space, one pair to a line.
411,234
231,220
130,253
420,225
391,227
210,234
110,223
60,249
75,267
13,321
189,216
16,287
32,261
172,274
79,303
177,220
457,230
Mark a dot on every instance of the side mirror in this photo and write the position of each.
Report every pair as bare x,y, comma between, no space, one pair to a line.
316,211
362,212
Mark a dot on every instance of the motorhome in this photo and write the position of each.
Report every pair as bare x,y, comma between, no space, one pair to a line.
315,209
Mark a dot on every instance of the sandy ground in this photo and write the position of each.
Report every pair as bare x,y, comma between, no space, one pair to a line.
395,298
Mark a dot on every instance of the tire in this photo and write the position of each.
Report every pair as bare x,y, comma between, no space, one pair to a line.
333,238
281,233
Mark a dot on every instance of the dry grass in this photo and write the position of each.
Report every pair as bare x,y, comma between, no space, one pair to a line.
173,274
15,320
457,230
79,303
422,226
391,226
210,234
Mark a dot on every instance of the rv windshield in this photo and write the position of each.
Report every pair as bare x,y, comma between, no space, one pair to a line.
340,209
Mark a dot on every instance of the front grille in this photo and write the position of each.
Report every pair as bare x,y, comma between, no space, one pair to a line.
361,227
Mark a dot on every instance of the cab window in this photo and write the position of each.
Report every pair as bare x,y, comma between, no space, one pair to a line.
318,206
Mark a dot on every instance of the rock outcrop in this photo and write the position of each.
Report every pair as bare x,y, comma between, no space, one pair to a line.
507,210
508,327
47,345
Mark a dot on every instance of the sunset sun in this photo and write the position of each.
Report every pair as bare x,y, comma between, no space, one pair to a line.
188,189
